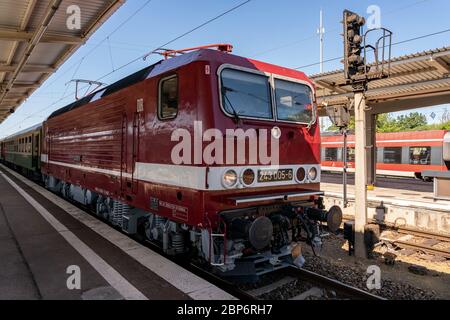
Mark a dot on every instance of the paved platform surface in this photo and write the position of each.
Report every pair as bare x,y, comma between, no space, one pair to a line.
388,195
43,239
382,182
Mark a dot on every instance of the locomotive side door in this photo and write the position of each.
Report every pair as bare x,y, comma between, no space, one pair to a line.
129,153
135,150
47,145
123,154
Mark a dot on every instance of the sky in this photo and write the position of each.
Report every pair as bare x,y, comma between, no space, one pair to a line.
282,32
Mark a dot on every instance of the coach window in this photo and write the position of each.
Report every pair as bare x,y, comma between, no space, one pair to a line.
392,155
331,154
168,98
245,94
420,155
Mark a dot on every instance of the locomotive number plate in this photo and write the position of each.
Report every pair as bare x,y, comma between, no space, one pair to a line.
275,175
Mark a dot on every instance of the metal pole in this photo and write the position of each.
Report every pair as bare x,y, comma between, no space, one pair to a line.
344,170
360,174
321,32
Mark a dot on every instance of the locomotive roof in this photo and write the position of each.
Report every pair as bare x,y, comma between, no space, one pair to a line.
121,84
163,66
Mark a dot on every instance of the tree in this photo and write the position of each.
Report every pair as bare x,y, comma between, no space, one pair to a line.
386,123
436,126
411,122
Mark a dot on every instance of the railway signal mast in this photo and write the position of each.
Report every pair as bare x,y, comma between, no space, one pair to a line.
358,73
321,32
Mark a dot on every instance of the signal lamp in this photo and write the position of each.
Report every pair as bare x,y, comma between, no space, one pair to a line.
301,174
248,177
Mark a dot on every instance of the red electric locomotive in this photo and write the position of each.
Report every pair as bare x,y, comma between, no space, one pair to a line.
204,152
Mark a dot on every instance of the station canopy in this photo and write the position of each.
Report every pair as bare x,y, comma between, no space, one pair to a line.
416,80
35,40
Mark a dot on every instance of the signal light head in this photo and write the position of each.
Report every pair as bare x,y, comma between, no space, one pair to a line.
355,59
361,21
355,19
357,39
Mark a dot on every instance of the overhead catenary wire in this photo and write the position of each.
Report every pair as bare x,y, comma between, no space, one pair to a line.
97,45
393,44
289,44
301,67
143,56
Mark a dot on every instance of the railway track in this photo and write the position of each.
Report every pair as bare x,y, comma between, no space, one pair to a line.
423,241
415,239
308,285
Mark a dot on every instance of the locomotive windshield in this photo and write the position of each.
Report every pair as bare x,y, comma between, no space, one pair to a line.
248,94
294,101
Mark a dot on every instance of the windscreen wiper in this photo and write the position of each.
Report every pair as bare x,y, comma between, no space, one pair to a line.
224,93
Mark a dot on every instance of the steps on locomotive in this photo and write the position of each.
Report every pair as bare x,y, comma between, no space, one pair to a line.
250,268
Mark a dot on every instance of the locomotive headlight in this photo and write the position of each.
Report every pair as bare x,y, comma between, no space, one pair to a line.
248,177
312,174
229,179
276,132
301,174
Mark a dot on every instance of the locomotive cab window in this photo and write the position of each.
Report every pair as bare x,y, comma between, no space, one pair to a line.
420,155
294,101
245,94
168,98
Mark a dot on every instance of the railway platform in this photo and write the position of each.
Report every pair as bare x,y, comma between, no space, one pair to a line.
397,207
50,249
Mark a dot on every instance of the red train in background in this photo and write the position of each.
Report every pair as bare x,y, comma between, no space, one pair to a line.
113,151
401,154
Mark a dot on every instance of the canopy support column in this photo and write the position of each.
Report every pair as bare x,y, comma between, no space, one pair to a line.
360,174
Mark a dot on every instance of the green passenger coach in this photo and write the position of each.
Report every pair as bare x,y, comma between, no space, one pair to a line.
22,150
